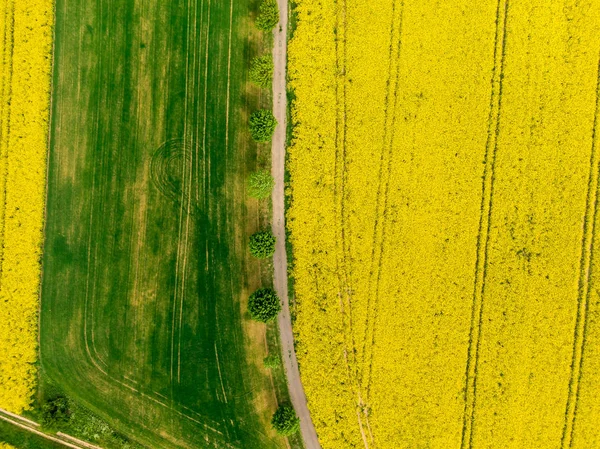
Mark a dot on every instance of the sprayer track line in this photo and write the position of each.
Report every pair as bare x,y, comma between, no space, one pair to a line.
483,237
381,159
340,193
189,189
383,212
184,215
586,264
386,152
339,169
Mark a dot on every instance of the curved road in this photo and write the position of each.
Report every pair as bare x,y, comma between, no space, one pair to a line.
309,435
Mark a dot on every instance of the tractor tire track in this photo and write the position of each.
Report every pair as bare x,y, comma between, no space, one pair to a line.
483,236
183,216
586,265
340,172
189,205
379,226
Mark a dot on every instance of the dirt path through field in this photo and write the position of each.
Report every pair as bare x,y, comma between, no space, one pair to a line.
297,395
33,427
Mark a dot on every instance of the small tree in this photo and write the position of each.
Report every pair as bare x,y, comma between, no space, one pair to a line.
262,125
260,184
264,305
268,15
285,421
55,412
261,71
262,244
271,361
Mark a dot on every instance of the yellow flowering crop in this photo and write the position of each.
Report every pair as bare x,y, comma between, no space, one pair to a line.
6,446
442,171
26,29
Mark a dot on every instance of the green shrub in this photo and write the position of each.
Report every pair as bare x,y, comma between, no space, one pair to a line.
261,71
271,361
285,421
262,125
268,15
55,413
260,184
262,244
264,305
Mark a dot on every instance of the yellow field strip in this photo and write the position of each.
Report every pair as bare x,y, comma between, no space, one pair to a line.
345,289
26,50
7,32
539,240
583,296
441,262
483,236
383,193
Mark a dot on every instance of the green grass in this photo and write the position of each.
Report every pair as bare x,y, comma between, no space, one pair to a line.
146,269
23,439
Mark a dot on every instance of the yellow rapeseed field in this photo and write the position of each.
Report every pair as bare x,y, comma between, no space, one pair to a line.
26,31
444,185
6,446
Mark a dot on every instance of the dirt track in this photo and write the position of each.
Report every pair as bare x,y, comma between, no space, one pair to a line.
309,434
33,427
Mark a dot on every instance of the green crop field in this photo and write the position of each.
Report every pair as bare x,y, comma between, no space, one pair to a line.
146,270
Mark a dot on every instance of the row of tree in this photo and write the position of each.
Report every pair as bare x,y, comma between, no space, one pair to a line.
264,305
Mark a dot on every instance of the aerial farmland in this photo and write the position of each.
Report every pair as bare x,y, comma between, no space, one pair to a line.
318,224
450,149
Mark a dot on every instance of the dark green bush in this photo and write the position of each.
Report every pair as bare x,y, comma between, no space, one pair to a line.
264,305
261,71
262,244
285,421
268,15
55,412
262,125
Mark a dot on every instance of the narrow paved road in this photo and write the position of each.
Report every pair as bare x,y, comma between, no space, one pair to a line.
33,427
297,395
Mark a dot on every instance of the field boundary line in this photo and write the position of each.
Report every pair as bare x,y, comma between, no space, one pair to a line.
483,236
586,264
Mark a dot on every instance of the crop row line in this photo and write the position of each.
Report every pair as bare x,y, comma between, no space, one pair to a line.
483,237
586,265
